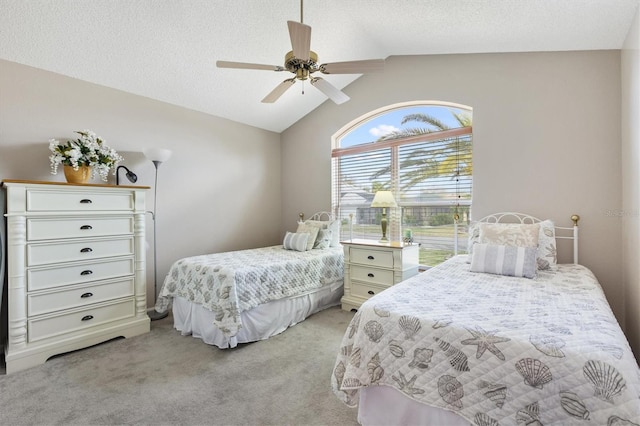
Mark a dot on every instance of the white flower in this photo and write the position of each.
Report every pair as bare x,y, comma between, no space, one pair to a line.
88,150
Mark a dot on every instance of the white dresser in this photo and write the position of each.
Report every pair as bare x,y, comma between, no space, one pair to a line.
370,267
75,267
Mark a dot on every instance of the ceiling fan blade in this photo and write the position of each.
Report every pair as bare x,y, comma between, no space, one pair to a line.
300,35
353,67
330,90
278,91
248,66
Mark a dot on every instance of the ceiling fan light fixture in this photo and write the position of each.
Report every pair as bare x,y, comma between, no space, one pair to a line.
302,62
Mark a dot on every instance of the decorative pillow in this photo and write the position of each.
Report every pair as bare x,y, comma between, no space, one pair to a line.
332,225
311,230
324,239
474,238
512,261
547,250
297,241
510,234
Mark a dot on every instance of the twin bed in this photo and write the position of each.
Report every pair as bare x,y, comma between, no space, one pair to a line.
453,347
250,295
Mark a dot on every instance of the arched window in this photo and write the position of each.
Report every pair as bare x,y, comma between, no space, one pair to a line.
422,153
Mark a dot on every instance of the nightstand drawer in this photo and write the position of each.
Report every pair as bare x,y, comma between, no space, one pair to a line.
379,258
42,303
365,290
49,229
70,321
372,275
57,252
61,200
43,278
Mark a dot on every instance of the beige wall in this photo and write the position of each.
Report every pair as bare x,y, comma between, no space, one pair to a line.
630,67
546,140
219,191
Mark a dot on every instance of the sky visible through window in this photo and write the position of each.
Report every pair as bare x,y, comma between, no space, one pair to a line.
391,121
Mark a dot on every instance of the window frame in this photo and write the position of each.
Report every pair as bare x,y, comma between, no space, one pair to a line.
394,148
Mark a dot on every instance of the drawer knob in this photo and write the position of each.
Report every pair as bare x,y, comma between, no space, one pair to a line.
85,201
370,257
371,292
87,317
86,250
86,227
370,275
85,295
87,272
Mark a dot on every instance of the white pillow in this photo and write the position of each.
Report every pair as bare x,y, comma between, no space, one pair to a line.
295,241
512,261
311,230
510,234
332,225
474,238
547,250
324,239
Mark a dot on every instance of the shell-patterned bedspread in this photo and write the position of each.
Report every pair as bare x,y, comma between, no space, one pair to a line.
232,282
496,350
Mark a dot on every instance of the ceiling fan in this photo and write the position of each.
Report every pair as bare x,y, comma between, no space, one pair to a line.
303,62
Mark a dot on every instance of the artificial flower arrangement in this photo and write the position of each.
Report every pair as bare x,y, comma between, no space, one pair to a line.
88,150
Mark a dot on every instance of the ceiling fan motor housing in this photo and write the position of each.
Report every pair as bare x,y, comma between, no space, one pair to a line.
301,68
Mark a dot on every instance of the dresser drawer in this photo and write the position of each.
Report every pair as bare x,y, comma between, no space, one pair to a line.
365,290
372,275
57,252
47,229
51,277
61,200
382,259
78,319
45,302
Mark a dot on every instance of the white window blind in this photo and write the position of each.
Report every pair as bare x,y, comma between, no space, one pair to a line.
430,176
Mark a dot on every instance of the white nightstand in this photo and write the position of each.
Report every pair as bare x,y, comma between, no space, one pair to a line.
371,267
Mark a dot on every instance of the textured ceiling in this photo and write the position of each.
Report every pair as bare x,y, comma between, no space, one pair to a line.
167,49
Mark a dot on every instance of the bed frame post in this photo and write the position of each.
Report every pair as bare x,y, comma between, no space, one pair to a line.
575,218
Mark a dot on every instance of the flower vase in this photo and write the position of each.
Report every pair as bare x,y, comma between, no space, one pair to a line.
81,175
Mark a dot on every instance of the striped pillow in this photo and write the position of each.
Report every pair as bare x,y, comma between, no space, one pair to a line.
295,241
504,260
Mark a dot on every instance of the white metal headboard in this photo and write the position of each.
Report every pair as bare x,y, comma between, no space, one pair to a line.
317,216
513,217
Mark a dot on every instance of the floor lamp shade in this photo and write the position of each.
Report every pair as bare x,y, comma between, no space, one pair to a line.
157,156
384,199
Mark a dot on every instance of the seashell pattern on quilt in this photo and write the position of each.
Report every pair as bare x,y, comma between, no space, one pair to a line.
496,350
232,282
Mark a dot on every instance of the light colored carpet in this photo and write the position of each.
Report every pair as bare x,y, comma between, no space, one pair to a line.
164,378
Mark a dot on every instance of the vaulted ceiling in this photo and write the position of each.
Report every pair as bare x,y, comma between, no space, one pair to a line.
167,49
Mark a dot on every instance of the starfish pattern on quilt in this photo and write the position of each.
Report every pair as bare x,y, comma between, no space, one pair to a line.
406,386
485,340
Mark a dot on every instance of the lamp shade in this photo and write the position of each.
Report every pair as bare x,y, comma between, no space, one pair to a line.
157,154
384,199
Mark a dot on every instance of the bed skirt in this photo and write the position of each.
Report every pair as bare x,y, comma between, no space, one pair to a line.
373,410
259,323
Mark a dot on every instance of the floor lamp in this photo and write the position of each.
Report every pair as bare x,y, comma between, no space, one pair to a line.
157,156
